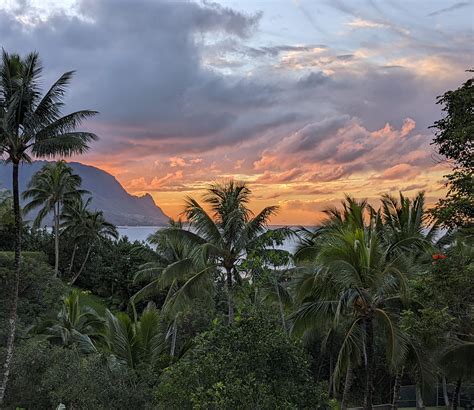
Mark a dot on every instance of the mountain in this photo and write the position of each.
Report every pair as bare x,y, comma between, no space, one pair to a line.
108,195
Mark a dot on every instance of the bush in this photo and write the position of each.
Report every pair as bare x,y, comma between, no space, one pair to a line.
44,376
249,365
39,293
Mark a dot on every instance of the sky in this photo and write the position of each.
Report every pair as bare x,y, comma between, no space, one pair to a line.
305,100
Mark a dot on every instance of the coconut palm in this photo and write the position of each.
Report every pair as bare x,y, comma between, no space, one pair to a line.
75,324
95,229
228,231
31,125
51,188
73,224
134,342
352,213
355,282
407,220
180,269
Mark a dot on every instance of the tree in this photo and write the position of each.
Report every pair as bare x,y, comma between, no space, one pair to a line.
356,282
251,365
45,375
228,232
74,218
75,324
31,125
454,138
134,342
441,317
179,270
51,188
95,229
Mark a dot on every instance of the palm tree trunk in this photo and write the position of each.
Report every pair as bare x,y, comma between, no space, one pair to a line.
396,388
12,321
445,393
369,369
82,266
71,263
230,301
56,239
282,311
419,396
457,394
331,375
173,337
347,386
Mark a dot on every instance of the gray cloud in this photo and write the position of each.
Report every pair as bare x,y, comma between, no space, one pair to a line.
183,77
455,6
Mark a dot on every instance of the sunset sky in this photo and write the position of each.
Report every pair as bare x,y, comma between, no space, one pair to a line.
304,99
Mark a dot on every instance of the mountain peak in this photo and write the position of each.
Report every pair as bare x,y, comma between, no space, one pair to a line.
108,195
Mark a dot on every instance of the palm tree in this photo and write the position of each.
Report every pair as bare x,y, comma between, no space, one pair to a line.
228,232
31,125
51,188
406,220
76,324
179,269
95,229
73,224
134,342
355,282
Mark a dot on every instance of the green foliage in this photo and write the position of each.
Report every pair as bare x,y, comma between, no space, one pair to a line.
455,132
50,188
39,292
134,343
454,139
43,376
75,324
457,209
31,123
249,365
111,268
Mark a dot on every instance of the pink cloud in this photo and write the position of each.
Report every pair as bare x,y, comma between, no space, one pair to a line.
400,171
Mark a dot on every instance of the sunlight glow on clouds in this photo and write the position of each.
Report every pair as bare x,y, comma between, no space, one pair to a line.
304,100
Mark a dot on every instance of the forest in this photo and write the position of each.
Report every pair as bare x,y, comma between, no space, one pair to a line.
211,312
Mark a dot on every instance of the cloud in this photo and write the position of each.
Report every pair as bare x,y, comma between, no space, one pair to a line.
339,147
399,171
360,23
455,6
207,91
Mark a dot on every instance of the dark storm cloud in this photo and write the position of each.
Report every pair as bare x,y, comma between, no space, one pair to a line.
139,63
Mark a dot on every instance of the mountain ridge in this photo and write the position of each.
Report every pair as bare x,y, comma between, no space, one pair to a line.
108,195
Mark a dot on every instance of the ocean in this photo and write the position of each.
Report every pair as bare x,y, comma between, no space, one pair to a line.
141,233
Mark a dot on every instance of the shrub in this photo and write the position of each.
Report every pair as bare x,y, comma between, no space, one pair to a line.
44,376
249,365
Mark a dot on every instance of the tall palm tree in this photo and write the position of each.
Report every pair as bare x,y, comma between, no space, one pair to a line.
51,188
31,125
357,283
95,229
229,231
